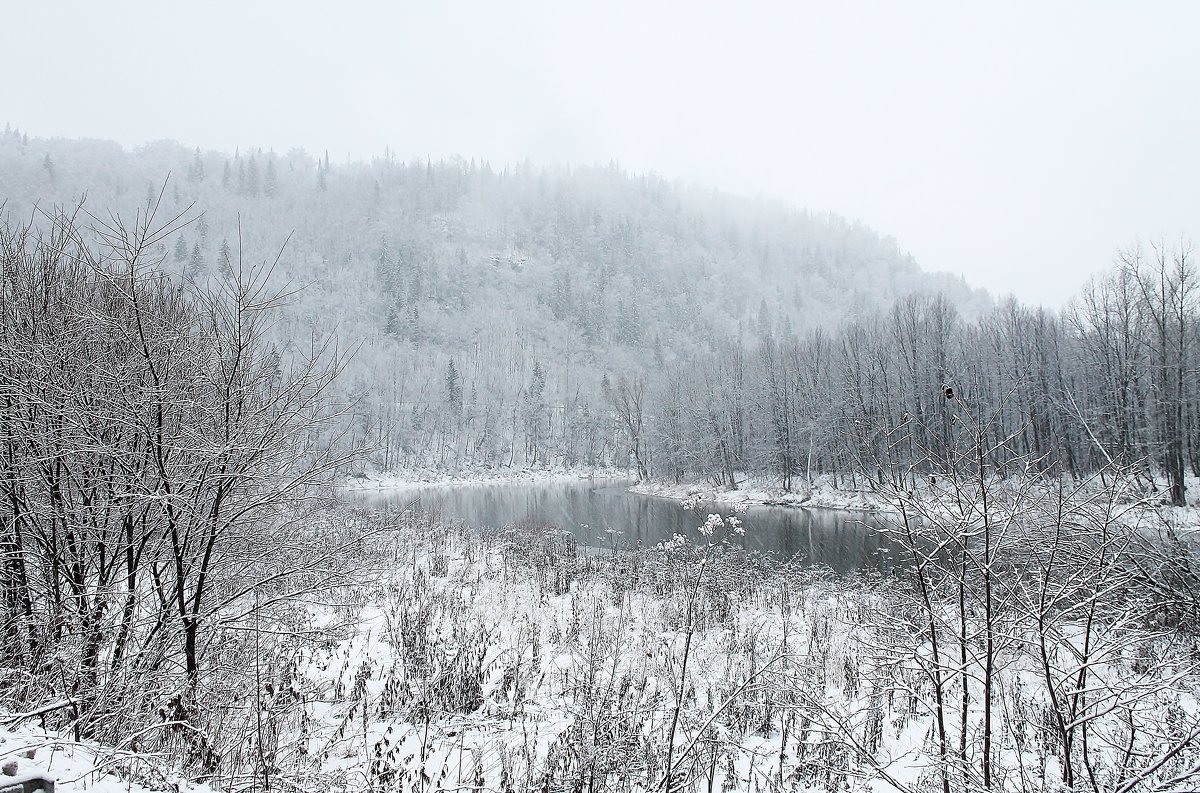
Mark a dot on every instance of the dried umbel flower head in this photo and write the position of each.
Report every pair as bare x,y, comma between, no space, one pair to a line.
716,522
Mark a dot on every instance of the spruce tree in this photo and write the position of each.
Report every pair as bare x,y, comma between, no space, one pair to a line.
454,390
270,181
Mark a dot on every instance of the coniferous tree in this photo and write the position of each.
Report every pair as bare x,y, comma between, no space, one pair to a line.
392,325
561,302
225,259
535,415
196,171
454,390
252,178
270,180
196,263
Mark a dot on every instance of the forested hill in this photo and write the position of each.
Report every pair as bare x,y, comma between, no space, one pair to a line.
473,289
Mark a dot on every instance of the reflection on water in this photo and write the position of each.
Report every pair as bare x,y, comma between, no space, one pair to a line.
602,513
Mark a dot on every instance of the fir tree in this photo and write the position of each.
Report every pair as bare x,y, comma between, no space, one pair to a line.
225,259
454,390
270,181
252,177
196,171
196,264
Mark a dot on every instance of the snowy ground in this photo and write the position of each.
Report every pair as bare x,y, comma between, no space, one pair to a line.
508,661
76,767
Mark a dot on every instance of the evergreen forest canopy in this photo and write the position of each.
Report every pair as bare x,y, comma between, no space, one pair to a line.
529,317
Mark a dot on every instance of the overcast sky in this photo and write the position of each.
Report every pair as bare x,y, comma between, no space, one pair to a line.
1019,143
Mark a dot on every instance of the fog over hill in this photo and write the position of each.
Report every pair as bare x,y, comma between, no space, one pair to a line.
517,274
524,317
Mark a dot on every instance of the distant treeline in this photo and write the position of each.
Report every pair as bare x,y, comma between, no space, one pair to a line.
1112,378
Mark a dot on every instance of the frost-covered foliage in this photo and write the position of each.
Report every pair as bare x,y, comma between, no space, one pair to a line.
511,660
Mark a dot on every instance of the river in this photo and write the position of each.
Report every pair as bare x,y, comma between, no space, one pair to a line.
602,513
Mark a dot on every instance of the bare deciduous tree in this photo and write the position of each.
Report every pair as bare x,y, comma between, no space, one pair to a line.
154,442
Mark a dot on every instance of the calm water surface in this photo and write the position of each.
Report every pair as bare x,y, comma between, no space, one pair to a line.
601,513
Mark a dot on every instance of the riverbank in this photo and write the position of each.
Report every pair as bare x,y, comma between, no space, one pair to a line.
430,477
822,494
1147,507
751,492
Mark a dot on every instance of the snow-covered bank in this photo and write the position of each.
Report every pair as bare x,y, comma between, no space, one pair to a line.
1148,507
430,477
753,492
30,752
822,494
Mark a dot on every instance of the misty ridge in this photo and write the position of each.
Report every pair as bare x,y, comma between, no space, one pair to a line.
591,275
231,384
587,318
